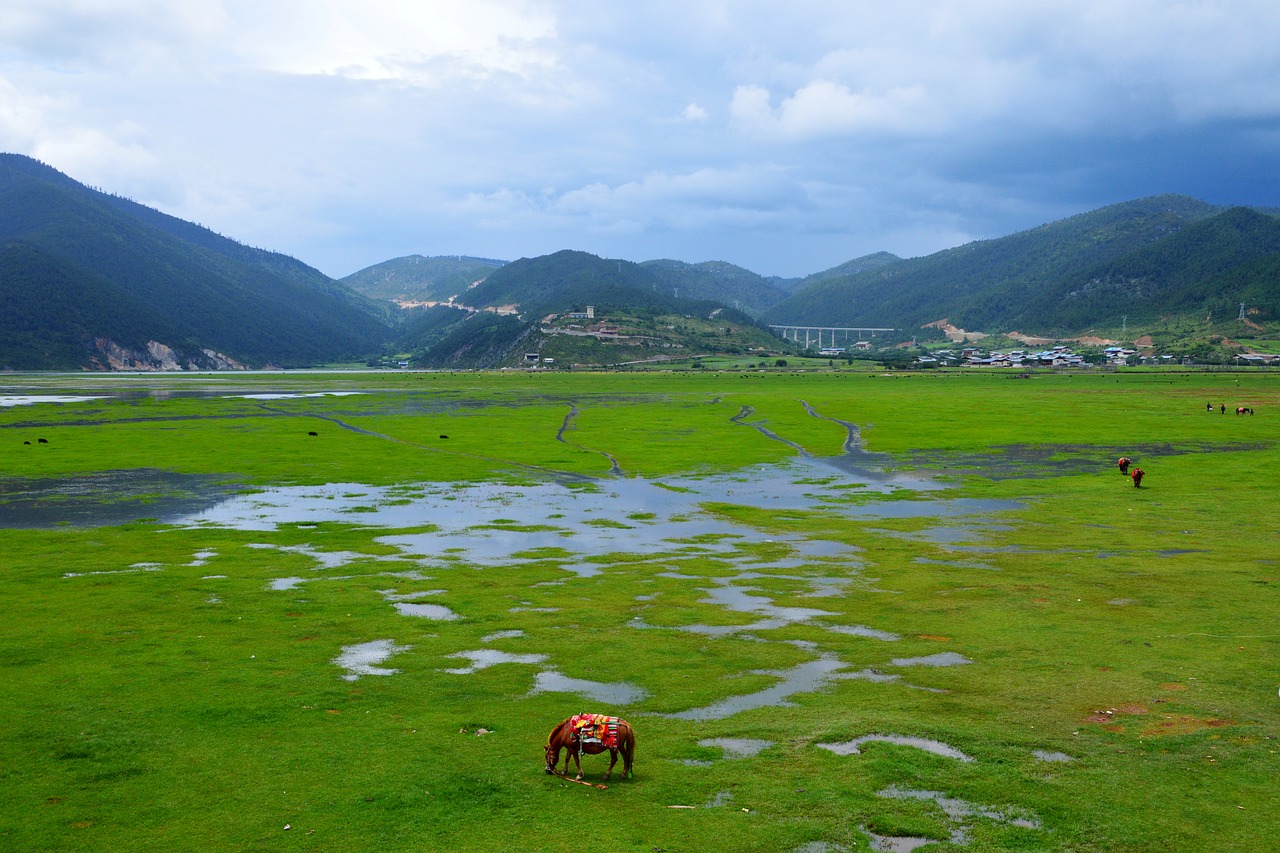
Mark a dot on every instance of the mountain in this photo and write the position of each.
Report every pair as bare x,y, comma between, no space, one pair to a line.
988,284
717,281
90,280
538,306
1208,268
848,268
417,279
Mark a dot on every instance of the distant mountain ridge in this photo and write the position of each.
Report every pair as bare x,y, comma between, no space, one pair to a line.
92,280
1039,278
416,279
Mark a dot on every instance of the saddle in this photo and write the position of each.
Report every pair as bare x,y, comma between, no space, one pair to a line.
595,729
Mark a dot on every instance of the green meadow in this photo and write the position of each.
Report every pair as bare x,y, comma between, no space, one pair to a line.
222,632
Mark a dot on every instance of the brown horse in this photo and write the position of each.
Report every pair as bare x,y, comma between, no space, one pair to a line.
563,736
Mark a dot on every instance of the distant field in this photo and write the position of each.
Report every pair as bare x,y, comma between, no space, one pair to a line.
841,609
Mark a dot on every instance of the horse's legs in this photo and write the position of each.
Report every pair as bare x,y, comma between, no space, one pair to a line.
576,760
613,759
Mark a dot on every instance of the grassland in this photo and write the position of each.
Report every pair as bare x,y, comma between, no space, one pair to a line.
172,681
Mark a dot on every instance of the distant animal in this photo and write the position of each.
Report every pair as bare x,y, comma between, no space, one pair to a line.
1123,464
312,432
592,734
26,442
1243,410
42,441
442,435
1137,476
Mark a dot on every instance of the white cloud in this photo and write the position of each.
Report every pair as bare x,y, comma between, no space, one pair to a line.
696,114
335,129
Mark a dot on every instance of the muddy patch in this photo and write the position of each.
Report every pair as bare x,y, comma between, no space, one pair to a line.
108,498
1023,461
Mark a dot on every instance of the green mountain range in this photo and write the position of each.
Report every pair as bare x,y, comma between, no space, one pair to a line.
415,279
91,280
1139,262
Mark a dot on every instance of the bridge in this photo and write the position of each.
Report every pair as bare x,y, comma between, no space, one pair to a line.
815,335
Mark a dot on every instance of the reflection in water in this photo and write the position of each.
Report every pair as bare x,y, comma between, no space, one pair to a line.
737,747
485,658
854,747
617,693
802,678
940,659
959,810
9,400
362,659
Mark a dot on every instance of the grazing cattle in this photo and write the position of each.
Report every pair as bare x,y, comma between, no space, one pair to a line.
26,442
442,435
1137,476
312,432
42,440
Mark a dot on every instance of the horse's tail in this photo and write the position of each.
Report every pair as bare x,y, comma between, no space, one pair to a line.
629,754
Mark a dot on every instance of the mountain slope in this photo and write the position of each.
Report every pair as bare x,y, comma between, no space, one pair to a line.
984,284
717,281
1207,268
417,279
86,267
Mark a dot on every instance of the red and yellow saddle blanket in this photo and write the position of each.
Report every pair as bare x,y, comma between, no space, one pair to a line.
595,727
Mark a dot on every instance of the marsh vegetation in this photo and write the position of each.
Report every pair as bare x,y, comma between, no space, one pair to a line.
841,610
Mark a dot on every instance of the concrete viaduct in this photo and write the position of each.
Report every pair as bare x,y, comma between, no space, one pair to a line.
814,336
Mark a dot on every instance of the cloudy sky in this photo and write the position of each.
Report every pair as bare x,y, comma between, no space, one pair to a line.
784,137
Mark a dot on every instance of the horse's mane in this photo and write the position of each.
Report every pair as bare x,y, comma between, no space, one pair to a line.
557,730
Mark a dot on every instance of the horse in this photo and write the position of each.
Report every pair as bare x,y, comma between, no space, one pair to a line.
563,736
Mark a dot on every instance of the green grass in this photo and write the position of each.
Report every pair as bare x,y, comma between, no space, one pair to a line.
160,696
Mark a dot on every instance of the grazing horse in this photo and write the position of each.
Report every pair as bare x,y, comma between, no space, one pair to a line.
577,740
1123,464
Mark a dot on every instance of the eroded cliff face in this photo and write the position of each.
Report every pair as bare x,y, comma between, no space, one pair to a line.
108,355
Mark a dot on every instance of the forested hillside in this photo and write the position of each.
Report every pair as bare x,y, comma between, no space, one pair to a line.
92,274
989,284
417,279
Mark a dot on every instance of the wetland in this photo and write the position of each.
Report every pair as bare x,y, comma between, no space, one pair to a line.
861,625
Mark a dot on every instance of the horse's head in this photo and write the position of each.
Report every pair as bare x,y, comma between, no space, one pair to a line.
553,755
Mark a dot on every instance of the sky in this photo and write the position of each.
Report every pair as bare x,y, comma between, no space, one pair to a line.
786,138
